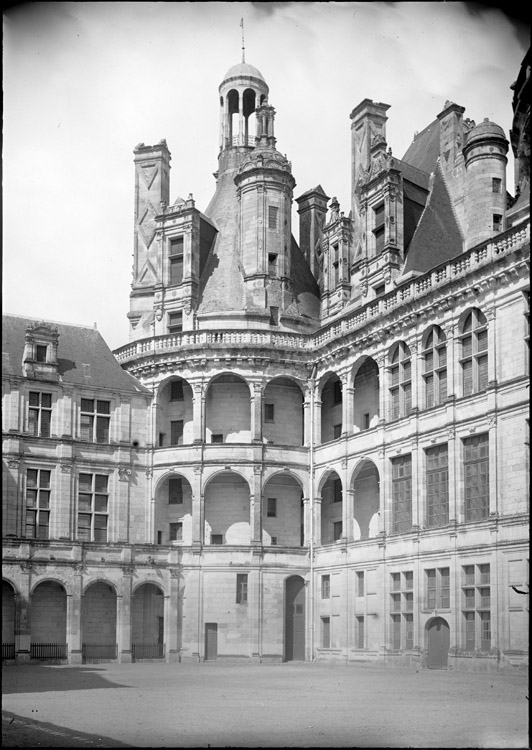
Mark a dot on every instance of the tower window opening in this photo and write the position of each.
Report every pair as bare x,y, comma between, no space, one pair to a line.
497,222
274,316
378,230
273,212
272,264
176,260
175,322
496,185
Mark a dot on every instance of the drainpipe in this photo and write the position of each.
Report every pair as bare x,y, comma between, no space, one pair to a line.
312,384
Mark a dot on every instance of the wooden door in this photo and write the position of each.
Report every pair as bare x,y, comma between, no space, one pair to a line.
295,619
211,641
439,639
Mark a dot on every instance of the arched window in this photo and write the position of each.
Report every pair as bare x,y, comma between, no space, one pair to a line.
474,354
400,381
435,367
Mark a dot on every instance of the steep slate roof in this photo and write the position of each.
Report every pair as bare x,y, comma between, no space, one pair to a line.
437,238
304,285
78,346
424,150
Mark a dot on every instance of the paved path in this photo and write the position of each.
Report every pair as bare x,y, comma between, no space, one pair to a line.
280,705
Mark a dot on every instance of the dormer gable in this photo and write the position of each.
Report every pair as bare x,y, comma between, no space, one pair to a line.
39,360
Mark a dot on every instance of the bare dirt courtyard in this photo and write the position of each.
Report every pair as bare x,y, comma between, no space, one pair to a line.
281,705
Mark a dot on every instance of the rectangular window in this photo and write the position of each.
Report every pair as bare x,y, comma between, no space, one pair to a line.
272,265
359,633
360,583
271,511
396,581
175,322
337,392
176,390
366,421
176,532
176,260
241,588
337,491
38,503
497,222
337,530
269,411
337,431
93,500
437,488
476,477
496,185
408,602
325,587
273,213
437,588
39,413
274,541
402,494
217,539
476,602
217,438
40,353
379,290
95,420
175,491
409,632
176,432
326,632
274,316
396,632
161,439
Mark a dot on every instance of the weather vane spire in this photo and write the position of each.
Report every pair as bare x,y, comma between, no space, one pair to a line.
243,46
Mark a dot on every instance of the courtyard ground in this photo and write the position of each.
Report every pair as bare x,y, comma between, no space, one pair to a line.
260,705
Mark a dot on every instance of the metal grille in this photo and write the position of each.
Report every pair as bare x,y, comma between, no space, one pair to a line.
147,651
8,650
50,651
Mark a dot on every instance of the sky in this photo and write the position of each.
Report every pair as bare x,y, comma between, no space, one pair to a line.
85,82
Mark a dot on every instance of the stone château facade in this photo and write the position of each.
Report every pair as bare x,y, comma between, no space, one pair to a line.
306,451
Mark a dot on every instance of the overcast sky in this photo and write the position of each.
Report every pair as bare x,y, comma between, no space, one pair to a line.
84,83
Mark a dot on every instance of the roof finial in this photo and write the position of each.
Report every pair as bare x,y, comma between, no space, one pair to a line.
243,47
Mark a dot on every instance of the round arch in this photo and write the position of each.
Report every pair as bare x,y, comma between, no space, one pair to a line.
228,409
365,483
332,502
100,579
227,509
283,412
282,510
50,579
48,622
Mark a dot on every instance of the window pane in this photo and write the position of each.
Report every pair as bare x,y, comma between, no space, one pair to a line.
86,422
45,478
46,400
33,421
85,502
87,404
32,476
103,407
34,398
102,429
100,503
100,483
46,417
85,482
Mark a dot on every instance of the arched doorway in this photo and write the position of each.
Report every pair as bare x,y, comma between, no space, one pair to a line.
147,622
438,637
48,627
98,623
8,620
294,643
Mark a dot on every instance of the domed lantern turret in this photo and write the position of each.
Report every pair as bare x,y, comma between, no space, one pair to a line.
242,91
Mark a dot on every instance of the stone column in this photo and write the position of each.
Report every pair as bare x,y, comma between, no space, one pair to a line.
306,521
385,500
307,416
415,371
256,412
171,616
317,520
383,388
348,403
493,468
317,421
198,507
453,477
198,412
416,482
123,617
255,506
23,626
349,513
75,655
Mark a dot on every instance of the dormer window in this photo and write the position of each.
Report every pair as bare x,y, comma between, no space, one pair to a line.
40,353
176,261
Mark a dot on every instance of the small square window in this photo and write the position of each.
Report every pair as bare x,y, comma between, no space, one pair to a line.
40,354
175,322
272,507
274,541
325,587
337,431
217,539
496,185
337,530
269,411
217,438
379,290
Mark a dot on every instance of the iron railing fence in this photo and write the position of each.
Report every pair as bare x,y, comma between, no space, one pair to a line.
48,651
8,650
